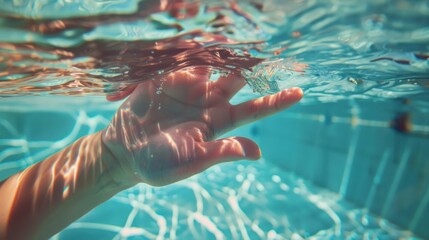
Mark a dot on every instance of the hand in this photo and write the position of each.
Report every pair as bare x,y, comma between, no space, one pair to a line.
166,130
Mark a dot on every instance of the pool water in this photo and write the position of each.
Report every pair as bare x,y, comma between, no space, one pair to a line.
349,162
278,197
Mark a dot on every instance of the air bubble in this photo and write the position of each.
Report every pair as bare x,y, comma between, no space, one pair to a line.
276,178
158,90
284,187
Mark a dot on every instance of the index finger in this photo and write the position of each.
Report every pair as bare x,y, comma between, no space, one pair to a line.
264,106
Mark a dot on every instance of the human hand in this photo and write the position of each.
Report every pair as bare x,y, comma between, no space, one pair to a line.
166,130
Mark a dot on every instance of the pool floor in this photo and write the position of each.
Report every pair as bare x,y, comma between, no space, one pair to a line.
241,200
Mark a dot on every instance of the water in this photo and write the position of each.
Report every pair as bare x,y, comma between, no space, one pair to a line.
358,52
364,50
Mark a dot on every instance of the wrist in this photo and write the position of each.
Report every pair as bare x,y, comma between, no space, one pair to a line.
120,176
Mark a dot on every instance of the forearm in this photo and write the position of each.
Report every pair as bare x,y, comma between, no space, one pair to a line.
48,196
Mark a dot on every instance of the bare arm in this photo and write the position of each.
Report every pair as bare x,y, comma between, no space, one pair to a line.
164,132
46,197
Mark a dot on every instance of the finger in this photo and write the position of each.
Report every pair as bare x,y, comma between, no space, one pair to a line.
208,154
262,107
211,153
230,85
226,150
121,94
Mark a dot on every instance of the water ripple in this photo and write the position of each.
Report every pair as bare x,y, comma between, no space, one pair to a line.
338,49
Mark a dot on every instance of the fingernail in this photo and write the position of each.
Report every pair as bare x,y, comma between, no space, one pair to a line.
255,155
295,91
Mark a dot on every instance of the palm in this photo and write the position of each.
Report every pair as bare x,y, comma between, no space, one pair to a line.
164,131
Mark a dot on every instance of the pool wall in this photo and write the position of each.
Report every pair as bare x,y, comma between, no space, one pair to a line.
350,148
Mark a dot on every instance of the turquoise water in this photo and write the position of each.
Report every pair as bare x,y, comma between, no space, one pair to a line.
344,164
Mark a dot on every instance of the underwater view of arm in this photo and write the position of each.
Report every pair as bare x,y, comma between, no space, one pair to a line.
167,130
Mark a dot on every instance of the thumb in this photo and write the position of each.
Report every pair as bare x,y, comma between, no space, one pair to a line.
211,153
229,149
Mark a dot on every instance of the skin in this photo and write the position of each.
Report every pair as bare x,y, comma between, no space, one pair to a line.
164,132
